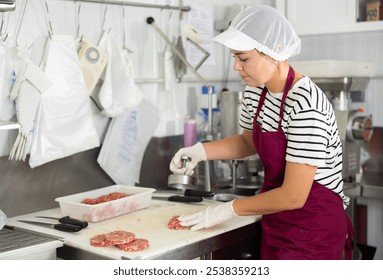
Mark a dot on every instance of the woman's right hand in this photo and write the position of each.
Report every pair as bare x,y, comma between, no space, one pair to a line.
196,153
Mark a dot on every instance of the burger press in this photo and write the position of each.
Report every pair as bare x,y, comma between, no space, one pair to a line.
182,181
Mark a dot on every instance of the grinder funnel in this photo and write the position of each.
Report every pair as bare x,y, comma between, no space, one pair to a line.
182,181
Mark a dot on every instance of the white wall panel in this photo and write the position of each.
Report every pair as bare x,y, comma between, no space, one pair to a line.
359,46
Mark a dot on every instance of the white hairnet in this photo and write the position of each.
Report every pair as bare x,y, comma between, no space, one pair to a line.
263,28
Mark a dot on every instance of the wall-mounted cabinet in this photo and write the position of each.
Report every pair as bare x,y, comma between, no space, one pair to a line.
311,17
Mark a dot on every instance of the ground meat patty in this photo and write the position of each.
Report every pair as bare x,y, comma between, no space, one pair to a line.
123,240
112,238
138,244
100,241
120,237
174,223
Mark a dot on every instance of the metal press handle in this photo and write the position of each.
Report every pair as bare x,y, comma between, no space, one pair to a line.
185,160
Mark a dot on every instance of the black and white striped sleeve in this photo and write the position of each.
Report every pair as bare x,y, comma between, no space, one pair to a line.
309,130
249,106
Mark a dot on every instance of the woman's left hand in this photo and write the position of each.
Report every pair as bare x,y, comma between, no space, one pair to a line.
209,216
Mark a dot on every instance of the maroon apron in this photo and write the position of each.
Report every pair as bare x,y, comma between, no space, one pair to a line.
320,229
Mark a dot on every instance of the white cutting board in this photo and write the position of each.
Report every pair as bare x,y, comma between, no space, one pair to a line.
149,223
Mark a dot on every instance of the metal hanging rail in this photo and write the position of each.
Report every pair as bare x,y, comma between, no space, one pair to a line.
135,4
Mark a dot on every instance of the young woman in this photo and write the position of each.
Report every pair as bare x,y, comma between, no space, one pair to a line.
290,123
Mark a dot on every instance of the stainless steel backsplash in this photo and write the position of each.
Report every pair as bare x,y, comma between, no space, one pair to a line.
24,190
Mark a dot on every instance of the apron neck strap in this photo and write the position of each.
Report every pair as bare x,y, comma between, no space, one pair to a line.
288,85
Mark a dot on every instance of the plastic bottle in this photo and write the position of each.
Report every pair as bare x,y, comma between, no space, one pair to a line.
204,103
202,115
190,132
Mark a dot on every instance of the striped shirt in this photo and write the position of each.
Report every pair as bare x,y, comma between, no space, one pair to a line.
309,125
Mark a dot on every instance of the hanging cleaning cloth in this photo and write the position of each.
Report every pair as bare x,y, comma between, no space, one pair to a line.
64,122
118,91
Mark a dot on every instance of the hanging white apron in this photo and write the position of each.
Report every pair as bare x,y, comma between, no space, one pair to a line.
64,123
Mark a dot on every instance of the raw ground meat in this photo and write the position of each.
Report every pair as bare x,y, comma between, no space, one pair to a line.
112,238
100,241
110,196
123,240
120,237
138,244
174,223
104,198
90,201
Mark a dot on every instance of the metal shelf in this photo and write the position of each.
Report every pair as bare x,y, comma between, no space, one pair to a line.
136,4
7,125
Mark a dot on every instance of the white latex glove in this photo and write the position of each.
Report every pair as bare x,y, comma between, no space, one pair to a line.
209,216
196,153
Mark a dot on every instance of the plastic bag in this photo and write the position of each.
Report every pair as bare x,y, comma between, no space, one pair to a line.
171,119
30,83
125,143
118,91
